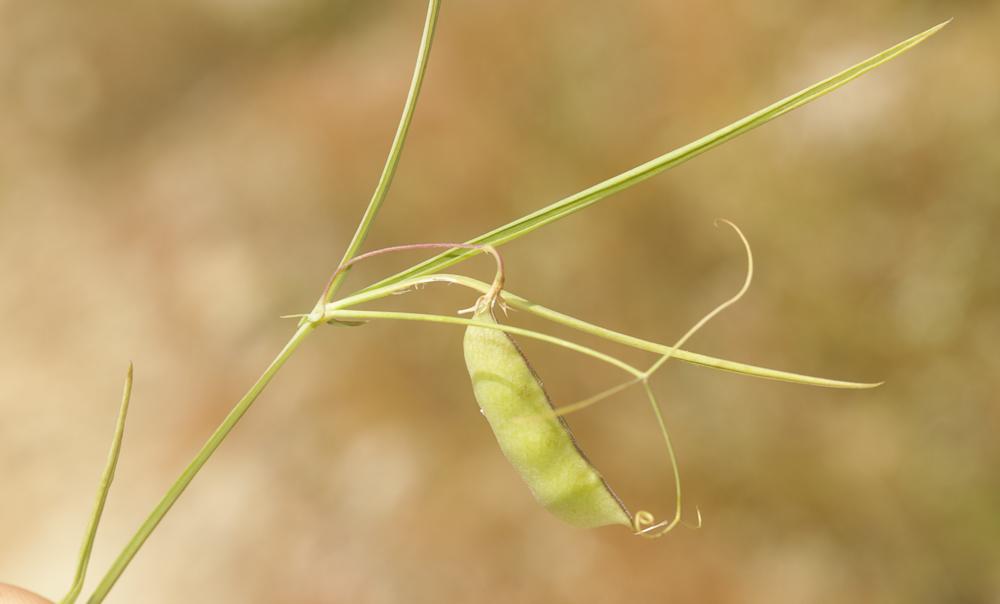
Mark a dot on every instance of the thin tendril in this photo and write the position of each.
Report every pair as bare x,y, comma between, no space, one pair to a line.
490,298
644,524
578,406
567,409
644,518
694,329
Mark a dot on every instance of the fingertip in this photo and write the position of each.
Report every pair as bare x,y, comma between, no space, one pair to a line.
10,594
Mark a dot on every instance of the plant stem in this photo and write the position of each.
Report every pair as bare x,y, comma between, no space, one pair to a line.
389,170
154,518
305,327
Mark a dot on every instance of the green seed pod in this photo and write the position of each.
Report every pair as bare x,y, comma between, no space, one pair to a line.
538,444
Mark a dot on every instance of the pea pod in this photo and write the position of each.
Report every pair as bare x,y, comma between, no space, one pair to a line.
537,443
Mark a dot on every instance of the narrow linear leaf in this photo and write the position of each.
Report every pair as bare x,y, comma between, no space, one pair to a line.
365,315
592,195
520,303
102,494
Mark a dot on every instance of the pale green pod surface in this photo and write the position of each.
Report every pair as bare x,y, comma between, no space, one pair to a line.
539,445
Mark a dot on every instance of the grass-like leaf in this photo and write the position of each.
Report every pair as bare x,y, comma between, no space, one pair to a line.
590,196
515,301
102,494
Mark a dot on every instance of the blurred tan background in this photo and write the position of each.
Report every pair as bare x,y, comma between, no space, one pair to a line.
176,175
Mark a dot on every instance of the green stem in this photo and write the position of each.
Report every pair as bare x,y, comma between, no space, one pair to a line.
389,170
102,493
109,579
305,327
